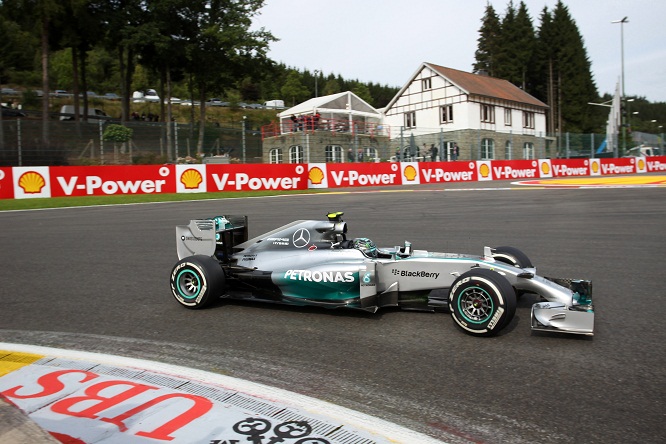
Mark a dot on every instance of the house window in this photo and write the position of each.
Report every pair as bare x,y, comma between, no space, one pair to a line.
507,150
507,116
487,149
426,84
488,113
528,150
370,153
296,154
528,119
410,119
275,155
333,153
447,114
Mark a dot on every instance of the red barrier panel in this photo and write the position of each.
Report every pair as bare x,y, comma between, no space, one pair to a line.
622,165
442,172
565,167
109,180
338,175
655,164
256,177
6,183
513,169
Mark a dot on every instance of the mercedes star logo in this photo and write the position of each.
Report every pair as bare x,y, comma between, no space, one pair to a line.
301,238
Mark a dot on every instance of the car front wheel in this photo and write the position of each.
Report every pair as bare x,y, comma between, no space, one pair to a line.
482,302
512,256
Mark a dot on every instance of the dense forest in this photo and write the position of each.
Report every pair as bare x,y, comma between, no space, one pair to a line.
199,50
550,62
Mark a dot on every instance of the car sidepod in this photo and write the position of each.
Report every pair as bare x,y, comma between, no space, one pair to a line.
331,285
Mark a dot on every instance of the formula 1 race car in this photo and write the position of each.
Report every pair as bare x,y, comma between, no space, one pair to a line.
311,262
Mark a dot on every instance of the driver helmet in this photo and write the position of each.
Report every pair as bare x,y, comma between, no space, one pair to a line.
365,246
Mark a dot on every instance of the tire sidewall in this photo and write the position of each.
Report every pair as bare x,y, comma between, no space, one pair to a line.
499,291
210,278
512,256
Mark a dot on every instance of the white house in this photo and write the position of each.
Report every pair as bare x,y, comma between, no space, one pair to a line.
488,118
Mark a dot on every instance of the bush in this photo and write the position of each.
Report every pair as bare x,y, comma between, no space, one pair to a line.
117,133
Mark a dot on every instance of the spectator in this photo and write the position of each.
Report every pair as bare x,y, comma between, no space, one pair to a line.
455,151
433,152
350,155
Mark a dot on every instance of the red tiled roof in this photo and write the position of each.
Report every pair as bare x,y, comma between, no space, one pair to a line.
475,84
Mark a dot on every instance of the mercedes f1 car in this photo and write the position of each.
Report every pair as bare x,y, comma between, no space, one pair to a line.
314,263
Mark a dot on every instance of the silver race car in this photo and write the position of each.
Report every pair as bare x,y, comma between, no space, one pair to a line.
313,262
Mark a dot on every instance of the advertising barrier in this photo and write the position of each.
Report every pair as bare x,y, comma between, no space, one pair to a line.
61,181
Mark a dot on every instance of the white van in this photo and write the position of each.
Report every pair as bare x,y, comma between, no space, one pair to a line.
274,104
94,114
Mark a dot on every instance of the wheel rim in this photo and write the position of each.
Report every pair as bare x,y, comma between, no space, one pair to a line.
476,305
188,284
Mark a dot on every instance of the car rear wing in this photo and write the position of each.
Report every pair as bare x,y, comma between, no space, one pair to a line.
215,237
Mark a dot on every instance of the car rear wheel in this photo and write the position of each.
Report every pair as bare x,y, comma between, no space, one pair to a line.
196,281
482,302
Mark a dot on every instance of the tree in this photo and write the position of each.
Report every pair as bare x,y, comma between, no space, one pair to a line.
293,88
362,91
551,64
543,84
222,48
489,38
572,71
331,86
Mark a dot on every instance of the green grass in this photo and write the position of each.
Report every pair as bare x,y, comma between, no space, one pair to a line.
60,202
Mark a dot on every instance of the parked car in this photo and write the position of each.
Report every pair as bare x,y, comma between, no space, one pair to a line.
9,92
11,112
94,114
149,95
111,96
216,102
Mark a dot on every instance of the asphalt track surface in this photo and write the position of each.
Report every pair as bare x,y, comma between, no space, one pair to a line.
96,279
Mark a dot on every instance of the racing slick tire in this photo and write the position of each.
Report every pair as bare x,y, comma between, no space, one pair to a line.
512,256
196,281
482,302
515,257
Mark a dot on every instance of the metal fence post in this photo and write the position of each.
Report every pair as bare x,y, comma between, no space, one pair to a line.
18,141
101,143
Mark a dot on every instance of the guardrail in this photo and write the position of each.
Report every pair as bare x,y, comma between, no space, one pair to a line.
60,181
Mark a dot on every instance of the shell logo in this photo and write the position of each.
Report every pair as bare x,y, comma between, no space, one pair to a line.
410,173
545,168
316,175
641,164
484,170
191,179
32,182
595,167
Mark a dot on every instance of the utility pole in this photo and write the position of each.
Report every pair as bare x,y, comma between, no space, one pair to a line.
624,103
